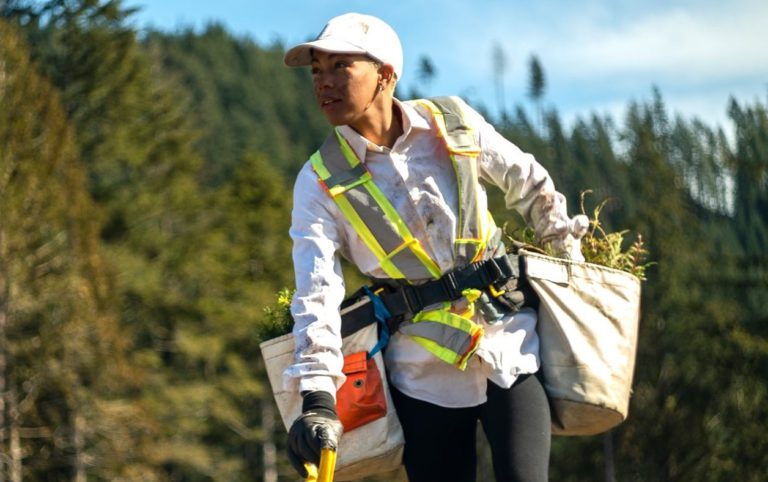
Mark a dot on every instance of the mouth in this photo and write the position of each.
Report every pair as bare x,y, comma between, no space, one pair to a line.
328,102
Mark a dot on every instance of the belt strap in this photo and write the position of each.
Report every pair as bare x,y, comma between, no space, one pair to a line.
403,301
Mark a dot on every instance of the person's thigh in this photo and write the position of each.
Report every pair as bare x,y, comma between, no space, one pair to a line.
518,426
439,441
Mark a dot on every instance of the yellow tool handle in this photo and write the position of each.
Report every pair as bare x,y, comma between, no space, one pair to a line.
327,467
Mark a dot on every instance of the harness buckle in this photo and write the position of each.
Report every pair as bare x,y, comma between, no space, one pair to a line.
493,271
412,299
494,291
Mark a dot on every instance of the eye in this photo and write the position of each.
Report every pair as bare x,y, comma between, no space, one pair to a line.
340,64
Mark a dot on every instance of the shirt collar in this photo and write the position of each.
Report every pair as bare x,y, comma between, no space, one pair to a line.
413,120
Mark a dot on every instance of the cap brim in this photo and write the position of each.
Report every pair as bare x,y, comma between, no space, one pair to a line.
299,55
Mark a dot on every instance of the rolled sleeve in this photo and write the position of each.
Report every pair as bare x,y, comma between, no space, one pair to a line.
319,290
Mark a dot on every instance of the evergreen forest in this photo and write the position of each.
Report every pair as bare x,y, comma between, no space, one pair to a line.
145,198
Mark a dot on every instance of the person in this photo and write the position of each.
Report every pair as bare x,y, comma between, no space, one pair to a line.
401,184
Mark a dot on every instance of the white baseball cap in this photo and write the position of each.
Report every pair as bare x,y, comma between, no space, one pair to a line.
353,33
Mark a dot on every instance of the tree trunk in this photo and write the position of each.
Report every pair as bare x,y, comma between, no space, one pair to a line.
3,361
610,471
15,437
3,428
270,453
78,439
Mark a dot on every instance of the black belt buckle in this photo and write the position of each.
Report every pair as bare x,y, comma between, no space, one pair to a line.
495,273
500,271
412,299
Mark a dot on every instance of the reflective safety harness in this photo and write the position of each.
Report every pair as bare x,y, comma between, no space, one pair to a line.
425,312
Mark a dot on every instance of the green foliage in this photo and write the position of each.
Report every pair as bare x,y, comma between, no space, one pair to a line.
131,313
277,317
670,182
64,367
607,249
597,245
245,100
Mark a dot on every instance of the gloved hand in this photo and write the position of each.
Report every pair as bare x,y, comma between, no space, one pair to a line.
568,244
317,427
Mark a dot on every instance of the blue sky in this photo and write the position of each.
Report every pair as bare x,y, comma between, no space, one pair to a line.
597,55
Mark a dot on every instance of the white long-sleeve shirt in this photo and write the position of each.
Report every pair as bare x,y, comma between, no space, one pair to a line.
417,177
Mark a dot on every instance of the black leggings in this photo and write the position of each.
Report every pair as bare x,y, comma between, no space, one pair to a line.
440,442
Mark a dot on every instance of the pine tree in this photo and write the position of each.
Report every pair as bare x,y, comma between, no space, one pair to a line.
750,165
246,100
133,136
536,87
64,361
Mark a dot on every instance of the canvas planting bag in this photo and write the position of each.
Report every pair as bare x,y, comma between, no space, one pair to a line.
373,439
588,323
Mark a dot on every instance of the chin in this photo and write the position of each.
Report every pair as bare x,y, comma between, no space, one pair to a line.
336,120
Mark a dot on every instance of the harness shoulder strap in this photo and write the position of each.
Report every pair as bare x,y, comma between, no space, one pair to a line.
338,171
448,113
370,213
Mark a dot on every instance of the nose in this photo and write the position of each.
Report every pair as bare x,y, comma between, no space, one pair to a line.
322,80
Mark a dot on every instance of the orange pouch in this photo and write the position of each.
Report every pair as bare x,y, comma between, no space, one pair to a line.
361,399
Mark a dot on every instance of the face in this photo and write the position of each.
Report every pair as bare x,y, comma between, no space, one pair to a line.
345,86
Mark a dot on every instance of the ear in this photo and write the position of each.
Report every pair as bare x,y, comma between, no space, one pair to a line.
387,74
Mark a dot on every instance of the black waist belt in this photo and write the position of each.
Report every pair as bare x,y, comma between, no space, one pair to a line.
403,301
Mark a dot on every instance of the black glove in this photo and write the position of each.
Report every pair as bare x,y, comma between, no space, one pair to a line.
318,427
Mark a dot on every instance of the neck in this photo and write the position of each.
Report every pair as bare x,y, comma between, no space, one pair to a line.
383,124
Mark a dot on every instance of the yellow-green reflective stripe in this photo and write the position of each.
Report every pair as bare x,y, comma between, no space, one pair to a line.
480,219
458,165
394,218
354,219
460,192
447,355
479,250
472,330
462,364
437,114
403,245
472,223
447,318
439,117
440,352
416,249
489,226
317,164
470,241
472,149
346,149
336,190
365,234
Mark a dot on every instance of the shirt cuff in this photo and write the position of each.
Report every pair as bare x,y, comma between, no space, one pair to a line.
318,382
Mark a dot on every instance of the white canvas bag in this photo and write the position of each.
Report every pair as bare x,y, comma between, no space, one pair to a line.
370,449
588,323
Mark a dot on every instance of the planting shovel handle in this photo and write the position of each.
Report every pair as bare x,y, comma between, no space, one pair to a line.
327,466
